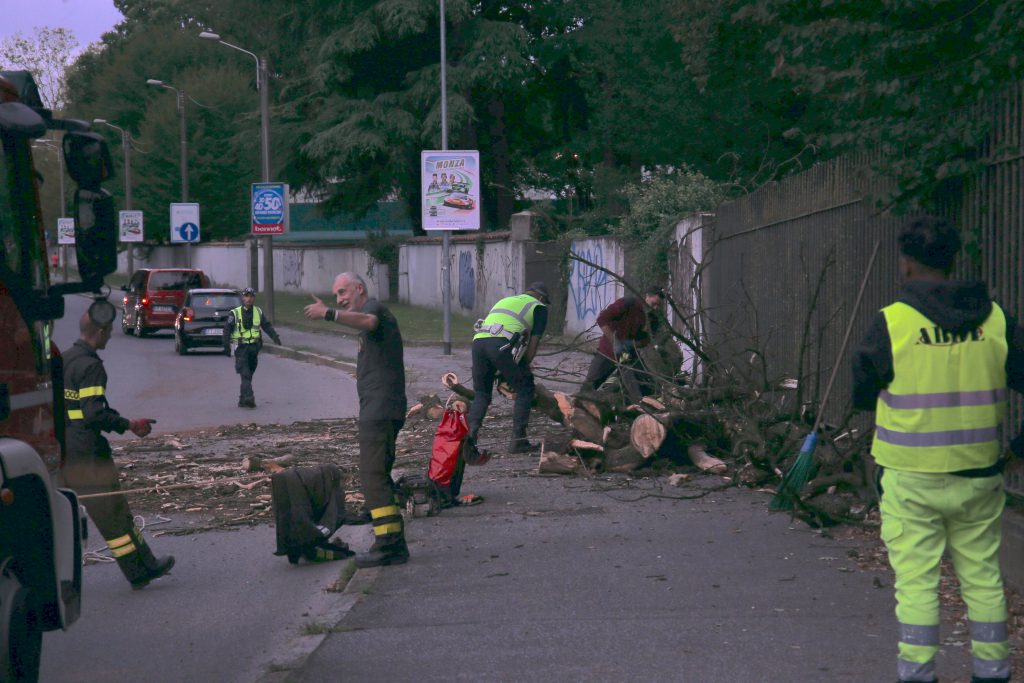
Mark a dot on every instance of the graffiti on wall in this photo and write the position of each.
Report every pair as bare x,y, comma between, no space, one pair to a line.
590,289
513,267
291,264
467,280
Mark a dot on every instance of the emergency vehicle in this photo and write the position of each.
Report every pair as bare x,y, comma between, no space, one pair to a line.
41,527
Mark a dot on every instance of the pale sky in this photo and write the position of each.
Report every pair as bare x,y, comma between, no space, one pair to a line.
87,19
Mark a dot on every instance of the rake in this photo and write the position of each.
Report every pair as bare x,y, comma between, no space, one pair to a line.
800,472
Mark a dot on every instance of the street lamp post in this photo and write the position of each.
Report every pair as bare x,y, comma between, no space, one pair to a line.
184,151
126,145
446,279
263,86
63,248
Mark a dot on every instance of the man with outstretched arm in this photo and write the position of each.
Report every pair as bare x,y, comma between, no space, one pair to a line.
380,383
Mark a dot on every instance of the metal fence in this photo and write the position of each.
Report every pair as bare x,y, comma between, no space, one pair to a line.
786,261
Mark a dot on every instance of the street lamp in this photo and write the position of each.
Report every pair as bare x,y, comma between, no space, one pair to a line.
446,280
263,86
54,147
126,145
184,150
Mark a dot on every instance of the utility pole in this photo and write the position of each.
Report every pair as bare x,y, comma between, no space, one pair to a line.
268,242
446,279
184,166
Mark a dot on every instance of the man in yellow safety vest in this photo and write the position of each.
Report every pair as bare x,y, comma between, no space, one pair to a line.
506,342
935,367
243,331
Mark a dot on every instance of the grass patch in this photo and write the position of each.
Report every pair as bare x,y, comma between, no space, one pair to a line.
347,572
315,628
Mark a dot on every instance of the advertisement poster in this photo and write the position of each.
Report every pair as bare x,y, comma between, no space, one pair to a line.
451,190
65,231
131,226
269,208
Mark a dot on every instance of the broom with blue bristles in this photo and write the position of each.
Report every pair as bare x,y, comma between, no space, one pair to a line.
800,472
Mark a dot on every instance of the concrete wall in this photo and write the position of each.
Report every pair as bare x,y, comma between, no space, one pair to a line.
296,268
687,284
592,289
479,277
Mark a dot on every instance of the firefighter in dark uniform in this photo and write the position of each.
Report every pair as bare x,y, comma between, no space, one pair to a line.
380,383
243,330
89,466
506,342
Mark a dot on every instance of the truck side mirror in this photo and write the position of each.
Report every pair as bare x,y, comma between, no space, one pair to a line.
95,235
87,158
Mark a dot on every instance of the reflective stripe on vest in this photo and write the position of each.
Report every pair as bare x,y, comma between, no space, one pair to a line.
942,411
513,313
250,335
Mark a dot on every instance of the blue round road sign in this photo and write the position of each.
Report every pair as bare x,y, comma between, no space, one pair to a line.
268,207
189,232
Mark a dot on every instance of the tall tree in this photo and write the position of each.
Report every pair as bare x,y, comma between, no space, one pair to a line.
47,54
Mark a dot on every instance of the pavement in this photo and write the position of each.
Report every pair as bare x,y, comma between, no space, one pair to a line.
605,579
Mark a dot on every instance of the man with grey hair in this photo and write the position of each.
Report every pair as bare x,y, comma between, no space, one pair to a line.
380,383
89,467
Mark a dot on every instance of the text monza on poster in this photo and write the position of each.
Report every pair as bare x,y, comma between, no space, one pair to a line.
185,222
270,214
450,184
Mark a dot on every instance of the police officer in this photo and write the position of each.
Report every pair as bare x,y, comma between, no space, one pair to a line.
89,467
935,367
380,383
506,342
243,330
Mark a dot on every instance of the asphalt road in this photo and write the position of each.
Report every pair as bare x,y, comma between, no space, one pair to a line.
148,379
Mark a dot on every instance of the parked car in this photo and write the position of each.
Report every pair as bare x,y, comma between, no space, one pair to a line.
154,296
201,320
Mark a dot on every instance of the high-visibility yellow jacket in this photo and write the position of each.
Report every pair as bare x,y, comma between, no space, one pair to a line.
246,336
513,314
942,410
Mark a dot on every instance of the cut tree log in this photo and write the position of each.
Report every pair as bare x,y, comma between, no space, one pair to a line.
646,435
543,399
559,463
625,459
699,457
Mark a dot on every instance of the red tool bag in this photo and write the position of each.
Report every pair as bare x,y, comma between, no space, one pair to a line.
446,463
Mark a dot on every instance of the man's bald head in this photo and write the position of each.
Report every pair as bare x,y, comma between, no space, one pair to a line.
350,291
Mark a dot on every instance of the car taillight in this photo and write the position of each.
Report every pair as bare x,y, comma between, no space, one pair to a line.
124,301
145,301
188,313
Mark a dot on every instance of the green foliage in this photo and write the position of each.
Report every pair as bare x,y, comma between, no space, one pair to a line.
656,205
47,54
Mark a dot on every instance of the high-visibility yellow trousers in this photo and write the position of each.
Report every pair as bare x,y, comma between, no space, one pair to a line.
923,515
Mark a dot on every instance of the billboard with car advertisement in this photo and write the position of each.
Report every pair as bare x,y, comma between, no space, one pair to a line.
451,189
131,226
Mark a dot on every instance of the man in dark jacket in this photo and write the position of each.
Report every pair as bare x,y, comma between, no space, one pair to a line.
935,367
380,383
89,467
243,330
623,327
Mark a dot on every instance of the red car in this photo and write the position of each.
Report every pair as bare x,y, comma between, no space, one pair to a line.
154,296
459,201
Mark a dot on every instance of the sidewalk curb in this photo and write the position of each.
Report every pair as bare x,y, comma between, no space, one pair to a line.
310,357
292,656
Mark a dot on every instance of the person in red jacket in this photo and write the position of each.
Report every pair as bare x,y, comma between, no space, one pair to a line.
623,329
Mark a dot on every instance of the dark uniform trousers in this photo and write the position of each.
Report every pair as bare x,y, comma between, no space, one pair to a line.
376,458
488,360
89,467
630,373
247,357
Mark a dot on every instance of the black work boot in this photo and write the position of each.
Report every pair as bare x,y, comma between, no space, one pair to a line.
386,550
328,551
155,566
